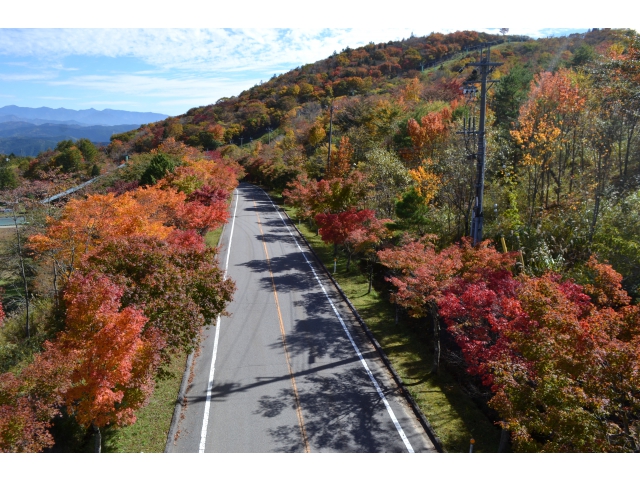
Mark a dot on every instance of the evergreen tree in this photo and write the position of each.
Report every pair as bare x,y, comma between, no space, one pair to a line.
160,165
511,92
88,149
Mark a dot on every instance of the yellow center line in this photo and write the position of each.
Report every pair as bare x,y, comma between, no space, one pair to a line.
284,341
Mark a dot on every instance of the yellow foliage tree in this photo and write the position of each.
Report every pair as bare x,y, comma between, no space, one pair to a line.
317,134
427,182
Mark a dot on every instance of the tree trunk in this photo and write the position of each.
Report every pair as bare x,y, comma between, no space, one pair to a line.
504,441
594,221
546,192
436,341
55,283
23,272
628,150
97,439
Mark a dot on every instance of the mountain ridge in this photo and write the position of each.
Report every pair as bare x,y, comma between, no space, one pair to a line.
89,116
38,121
23,138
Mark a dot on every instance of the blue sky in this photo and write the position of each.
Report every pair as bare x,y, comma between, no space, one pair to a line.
169,70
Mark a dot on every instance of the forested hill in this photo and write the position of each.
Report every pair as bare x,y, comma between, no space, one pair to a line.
375,69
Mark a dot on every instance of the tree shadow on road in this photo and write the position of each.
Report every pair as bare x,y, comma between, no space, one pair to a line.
341,412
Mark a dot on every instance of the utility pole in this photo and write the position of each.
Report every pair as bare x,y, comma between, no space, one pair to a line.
330,133
479,75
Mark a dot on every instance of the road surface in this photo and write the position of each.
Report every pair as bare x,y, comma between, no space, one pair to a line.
289,369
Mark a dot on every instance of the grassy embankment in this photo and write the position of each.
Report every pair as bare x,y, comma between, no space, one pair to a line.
149,433
453,415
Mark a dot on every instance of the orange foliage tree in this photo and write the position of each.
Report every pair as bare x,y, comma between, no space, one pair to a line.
112,355
86,224
432,130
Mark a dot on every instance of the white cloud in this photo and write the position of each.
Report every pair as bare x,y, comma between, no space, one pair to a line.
204,50
186,87
24,77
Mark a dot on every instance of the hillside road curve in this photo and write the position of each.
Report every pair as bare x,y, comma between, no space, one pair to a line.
289,369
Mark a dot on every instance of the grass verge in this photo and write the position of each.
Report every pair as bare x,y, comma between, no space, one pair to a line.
212,237
149,433
453,415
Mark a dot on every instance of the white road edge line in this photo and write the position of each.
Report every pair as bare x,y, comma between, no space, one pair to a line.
207,405
362,360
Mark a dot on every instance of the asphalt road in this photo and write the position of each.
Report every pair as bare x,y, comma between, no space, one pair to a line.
293,370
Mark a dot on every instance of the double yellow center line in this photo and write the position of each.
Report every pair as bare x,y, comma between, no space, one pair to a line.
284,340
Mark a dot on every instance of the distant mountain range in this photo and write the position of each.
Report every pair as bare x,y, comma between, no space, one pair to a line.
27,139
37,121
28,131
90,116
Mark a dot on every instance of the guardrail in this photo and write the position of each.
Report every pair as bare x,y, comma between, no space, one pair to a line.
76,188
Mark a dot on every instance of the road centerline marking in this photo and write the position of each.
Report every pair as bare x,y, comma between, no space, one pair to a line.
207,404
399,428
284,340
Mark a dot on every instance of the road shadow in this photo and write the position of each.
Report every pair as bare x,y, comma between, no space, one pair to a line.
275,238
224,390
341,412
289,272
